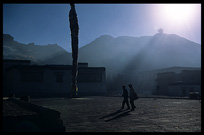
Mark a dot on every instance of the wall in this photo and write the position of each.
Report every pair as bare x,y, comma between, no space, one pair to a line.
53,81
177,90
93,81
180,84
163,79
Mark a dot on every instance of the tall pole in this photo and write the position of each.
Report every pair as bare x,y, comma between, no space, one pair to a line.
74,27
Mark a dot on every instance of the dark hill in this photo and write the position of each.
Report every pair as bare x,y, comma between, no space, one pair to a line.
134,54
40,54
166,50
119,55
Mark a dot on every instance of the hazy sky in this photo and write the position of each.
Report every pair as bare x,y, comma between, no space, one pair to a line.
48,23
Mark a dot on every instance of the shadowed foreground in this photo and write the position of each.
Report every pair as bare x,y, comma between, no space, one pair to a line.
103,114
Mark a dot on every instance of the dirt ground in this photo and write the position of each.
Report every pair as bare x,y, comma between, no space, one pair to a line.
103,114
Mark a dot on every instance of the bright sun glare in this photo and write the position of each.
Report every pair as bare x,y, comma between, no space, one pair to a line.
176,18
176,14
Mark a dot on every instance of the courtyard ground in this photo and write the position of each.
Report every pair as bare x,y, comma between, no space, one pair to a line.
103,114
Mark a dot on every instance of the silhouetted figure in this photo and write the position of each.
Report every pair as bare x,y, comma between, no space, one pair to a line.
132,98
125,96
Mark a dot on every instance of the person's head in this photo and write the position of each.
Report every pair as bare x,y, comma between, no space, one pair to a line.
130,85
123,86
72,5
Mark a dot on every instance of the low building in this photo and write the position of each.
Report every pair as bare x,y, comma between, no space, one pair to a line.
182,89
179,84
52,80
146,82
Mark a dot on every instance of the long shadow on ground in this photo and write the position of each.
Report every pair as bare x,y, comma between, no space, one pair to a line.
119,113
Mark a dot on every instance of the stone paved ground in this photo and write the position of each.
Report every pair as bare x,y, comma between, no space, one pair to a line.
103,114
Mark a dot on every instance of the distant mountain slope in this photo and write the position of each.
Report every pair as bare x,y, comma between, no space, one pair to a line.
40,54
119,55
133,54
113,53
166,50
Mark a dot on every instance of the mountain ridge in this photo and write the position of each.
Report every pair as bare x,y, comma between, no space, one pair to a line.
39,54
119,54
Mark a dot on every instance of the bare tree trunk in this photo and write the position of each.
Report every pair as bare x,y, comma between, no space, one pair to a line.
74,27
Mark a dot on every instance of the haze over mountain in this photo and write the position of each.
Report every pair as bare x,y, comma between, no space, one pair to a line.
134,54
39,54
119,55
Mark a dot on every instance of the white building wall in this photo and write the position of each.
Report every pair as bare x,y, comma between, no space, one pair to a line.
57,87
93,87
20,86
49,85
176,90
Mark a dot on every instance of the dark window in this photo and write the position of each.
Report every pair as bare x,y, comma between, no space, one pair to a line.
89,77
59,77
183,91
191,89
32,76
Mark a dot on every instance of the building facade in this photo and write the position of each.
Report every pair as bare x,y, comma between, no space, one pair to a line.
179,84
52,80
147,82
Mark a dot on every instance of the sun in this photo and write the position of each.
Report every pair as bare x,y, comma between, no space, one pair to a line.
175,18
177,13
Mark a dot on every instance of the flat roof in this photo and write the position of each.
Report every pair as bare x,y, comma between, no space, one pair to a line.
12,60
183,83
53,67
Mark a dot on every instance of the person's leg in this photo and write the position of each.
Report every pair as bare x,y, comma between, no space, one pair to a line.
123,103
127,103
132,104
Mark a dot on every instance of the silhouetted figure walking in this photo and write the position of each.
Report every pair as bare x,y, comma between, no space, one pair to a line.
132,98
125,96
